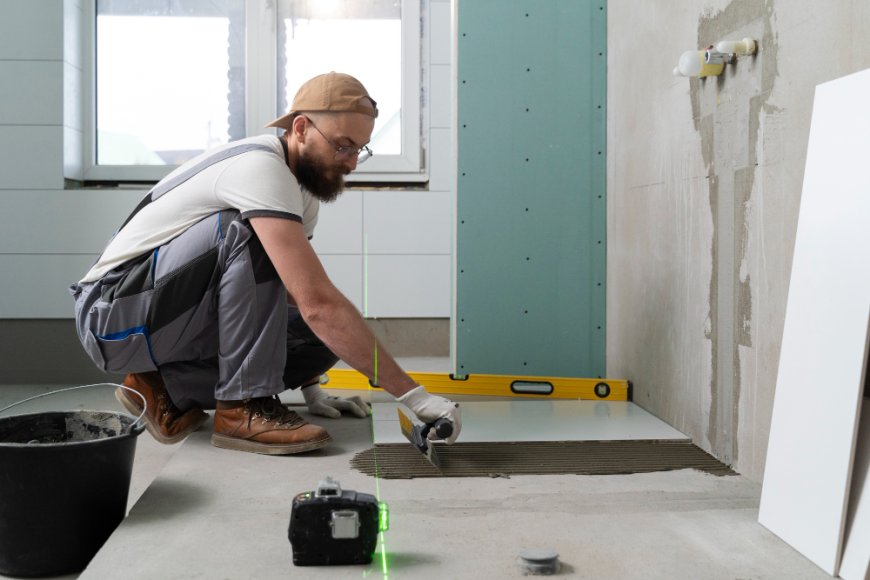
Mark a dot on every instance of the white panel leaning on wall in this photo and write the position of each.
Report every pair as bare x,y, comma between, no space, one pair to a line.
820,382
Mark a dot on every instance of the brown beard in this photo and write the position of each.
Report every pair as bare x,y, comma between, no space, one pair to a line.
314,178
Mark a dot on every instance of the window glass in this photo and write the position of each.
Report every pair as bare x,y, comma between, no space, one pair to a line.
360,38
170,79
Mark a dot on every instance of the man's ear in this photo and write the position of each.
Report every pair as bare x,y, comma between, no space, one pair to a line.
297,130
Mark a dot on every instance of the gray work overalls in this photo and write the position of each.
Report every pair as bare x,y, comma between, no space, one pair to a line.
207,309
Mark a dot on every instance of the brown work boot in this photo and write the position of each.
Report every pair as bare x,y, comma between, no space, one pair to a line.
264,425
166,422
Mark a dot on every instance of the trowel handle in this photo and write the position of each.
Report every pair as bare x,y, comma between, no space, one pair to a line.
443,428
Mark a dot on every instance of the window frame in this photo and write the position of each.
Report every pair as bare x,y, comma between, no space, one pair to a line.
261,98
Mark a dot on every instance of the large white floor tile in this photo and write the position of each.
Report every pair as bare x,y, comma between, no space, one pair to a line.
537,420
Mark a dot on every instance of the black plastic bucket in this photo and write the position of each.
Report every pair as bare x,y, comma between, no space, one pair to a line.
64,480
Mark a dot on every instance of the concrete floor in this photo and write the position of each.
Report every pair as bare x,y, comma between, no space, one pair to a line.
202,512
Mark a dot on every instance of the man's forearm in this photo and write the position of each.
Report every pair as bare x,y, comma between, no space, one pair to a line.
329,314
341,327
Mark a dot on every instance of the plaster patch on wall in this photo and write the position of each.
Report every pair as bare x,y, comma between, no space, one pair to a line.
735,115
710,325
744,179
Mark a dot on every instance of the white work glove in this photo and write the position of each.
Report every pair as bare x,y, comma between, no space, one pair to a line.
319,403
430,408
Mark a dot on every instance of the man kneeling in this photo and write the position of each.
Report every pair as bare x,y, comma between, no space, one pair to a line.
211,297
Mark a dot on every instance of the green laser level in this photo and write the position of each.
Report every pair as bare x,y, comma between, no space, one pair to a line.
332,526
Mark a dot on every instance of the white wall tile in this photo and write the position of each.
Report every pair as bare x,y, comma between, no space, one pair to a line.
31,92
67,222
36,286
73,154
442,174
346,272
31,29
73,110
339,225
440,35
440,96
408,222
31,157
408,286
73,20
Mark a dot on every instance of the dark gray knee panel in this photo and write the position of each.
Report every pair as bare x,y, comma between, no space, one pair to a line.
209,294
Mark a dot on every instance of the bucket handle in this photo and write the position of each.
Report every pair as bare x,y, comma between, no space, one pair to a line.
138,422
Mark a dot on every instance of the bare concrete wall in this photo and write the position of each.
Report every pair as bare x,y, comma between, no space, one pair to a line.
704,185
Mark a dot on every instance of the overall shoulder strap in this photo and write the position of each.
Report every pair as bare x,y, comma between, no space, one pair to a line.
166,185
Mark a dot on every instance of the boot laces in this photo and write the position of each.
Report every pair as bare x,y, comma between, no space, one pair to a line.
272,409
166,407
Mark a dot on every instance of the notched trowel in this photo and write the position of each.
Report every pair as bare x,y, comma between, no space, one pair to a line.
418,435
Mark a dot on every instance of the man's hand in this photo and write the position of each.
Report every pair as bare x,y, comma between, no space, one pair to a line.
319,403
430,408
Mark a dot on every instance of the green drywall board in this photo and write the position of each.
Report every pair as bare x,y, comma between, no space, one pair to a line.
531,203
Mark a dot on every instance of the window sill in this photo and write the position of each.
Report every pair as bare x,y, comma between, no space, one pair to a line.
355,185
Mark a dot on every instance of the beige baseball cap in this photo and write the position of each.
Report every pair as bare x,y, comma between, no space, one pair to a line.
332,91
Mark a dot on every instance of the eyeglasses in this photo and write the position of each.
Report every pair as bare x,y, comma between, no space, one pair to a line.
347,151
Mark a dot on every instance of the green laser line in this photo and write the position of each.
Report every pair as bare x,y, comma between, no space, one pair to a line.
384,556
366,275
378,490
375,379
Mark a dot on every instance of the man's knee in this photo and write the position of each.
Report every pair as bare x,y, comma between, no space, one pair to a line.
307,356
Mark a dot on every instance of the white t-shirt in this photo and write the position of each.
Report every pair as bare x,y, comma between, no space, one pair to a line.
257,183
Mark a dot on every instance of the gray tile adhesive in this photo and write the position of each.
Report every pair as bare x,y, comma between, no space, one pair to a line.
401,461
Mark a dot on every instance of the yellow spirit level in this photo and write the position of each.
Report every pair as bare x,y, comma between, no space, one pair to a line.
497,385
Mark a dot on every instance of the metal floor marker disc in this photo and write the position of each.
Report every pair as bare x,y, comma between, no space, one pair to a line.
538,562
